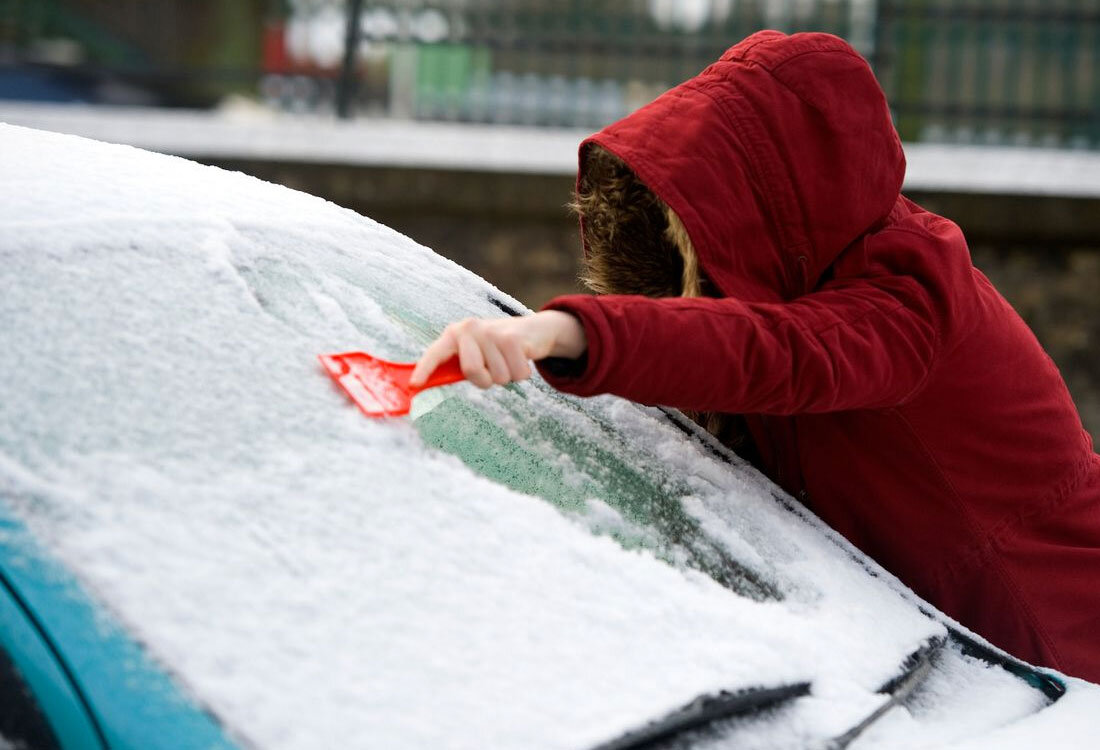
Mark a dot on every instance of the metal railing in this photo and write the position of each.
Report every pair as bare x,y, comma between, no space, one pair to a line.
989,71
534,62
994,71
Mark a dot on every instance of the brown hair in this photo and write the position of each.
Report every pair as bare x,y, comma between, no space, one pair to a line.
636,244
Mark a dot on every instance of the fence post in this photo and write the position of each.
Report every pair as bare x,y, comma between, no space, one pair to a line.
880,35
347,71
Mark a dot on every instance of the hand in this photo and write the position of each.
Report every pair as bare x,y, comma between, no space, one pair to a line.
499,350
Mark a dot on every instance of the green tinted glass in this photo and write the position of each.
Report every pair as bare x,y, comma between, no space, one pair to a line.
583,466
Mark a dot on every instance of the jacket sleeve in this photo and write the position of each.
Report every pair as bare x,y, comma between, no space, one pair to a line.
856,343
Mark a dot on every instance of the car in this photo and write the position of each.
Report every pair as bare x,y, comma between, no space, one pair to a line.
203,543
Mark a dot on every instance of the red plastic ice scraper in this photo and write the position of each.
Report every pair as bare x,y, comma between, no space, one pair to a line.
381,388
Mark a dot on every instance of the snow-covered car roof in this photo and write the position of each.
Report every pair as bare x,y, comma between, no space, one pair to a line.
508,569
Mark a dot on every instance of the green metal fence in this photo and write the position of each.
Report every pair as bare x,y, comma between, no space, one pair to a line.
996,71
987,71
543,62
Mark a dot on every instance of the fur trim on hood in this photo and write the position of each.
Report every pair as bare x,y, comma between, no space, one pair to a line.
634,243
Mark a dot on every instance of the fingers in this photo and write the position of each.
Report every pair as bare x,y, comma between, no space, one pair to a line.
473,361
439,352
489,351
494,358
519,367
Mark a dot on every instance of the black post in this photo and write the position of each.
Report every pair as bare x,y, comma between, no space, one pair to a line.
884,12
347,72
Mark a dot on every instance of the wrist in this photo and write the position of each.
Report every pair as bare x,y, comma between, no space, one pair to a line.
569,340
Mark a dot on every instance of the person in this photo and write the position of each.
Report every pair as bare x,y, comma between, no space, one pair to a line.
756,265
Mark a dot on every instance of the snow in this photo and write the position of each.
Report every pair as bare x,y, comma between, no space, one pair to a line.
254,133
307,138
951,705
1071,722
314,576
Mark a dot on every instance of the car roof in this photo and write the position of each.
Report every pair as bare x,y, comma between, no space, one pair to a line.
310,575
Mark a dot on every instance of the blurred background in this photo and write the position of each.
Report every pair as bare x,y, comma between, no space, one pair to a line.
456,121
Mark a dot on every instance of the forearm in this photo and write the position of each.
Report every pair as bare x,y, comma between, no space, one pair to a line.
827,352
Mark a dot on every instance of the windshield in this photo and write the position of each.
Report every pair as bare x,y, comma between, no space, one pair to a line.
539,442
167,434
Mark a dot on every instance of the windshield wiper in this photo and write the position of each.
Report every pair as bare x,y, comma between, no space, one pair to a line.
704,710
915,670
1049,685
707,709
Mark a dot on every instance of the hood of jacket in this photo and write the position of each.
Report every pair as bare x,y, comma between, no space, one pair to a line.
775,159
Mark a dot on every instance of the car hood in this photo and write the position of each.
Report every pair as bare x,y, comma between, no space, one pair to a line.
310,575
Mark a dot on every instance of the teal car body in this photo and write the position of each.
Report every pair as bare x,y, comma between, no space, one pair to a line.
88,683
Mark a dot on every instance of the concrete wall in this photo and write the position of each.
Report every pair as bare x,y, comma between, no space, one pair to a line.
1043,254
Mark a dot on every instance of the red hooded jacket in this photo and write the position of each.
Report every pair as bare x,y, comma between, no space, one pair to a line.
883,378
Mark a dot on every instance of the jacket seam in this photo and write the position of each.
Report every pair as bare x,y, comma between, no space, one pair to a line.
986,541
813,49
762,162
890,313
906,230
937,338
775,323
1010,582
982,541
817,333
764,170
971,522
999,530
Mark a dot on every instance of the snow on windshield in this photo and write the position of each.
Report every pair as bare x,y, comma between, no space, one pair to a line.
315,576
